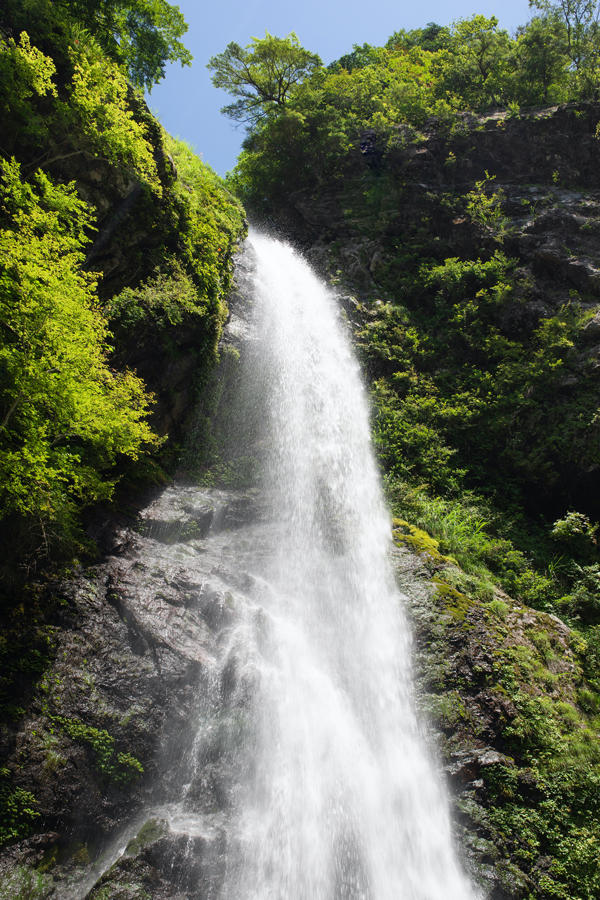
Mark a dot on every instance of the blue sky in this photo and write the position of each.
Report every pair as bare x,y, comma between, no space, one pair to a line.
188,105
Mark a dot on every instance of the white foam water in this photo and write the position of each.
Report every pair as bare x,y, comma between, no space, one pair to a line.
338,798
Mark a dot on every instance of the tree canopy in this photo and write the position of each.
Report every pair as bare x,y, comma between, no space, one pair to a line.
141,35
261,75
66,415
580,21
304,118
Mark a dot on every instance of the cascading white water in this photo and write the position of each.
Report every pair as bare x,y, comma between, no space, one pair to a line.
304,774
337,796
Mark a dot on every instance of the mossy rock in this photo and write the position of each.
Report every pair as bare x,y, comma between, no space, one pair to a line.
151,831
419,541
457,605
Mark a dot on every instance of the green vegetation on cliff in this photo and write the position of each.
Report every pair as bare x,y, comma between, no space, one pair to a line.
511,693
382,97
116,247
473,370
482,376
84,307
68,415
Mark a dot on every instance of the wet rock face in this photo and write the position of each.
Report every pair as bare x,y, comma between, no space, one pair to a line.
111,724
483,670
166,865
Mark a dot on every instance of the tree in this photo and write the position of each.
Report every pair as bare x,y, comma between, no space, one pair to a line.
582,23
26,76
261,75
478,64
361,56
433,37
141,35
542,71
578,15
98,118
66,417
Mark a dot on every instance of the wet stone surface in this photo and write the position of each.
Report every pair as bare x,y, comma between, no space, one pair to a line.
140,646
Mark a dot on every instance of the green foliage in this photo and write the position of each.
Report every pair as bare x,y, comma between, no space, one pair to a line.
25,72
407,434
542,71
78,102
118,767
477,64
26,647
446,413
561,828
141,36
69,419
592,657
18,812
261,75
159,303
466,530
580,26
553,742
485,208
99,112
26,76
210,222
575,531
582,603
326,116
539,807
432,37
303,131
458,388
418,540
67,416
93,114
361,56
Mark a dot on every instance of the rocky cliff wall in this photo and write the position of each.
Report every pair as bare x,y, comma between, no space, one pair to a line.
409,235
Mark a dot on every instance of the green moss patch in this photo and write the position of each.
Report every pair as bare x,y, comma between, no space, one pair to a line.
117,766
418,540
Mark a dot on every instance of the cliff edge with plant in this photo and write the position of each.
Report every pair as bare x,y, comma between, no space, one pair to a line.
116,259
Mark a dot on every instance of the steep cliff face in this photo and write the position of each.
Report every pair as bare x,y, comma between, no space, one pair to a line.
116,260
111,698
547,149
470,268
542,165
504,688
117,246
165,249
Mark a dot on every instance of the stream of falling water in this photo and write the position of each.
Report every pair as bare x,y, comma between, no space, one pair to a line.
305,775
339,800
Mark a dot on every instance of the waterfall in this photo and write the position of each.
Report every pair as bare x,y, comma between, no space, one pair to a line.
304,772
339,799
